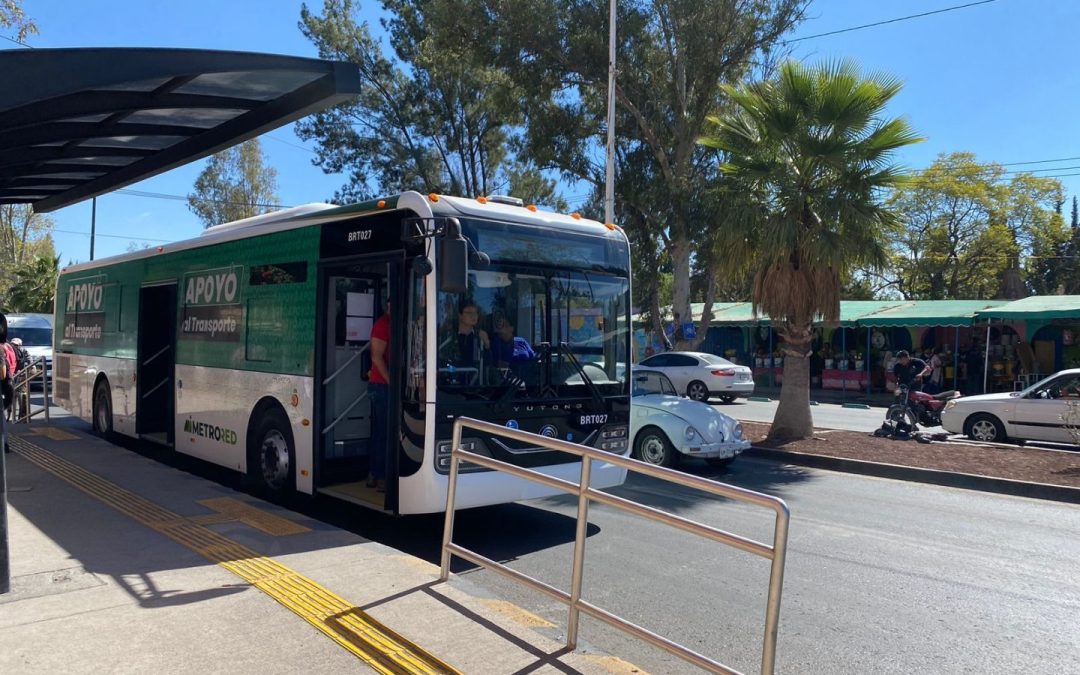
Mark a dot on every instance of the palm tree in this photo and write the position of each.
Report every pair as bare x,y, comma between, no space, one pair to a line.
809,153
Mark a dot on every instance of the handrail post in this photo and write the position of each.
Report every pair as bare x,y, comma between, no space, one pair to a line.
776,585
451,497
579,551
45,388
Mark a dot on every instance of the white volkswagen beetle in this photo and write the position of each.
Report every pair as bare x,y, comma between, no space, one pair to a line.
664,426
1046,411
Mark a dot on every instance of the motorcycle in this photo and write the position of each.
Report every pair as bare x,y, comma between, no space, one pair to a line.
915,407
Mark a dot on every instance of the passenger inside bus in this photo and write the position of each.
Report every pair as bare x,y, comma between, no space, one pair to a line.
469,348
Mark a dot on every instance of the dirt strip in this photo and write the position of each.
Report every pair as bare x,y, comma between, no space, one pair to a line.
1030,464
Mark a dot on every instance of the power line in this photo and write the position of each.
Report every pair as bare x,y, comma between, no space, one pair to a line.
887,21
293,145
111,236
1041,161
10,39
183,198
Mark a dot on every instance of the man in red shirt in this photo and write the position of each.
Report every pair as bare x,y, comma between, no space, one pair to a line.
378,385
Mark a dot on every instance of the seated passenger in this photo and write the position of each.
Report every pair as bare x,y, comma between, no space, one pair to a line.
509,348
471,344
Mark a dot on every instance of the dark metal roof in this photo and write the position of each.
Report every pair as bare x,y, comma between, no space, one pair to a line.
76,123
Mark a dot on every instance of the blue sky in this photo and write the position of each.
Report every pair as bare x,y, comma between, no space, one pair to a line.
999,80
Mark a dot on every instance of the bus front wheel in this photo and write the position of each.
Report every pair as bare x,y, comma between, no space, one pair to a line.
103,409
272,455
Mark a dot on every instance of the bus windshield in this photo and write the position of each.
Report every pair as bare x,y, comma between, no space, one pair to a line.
525,332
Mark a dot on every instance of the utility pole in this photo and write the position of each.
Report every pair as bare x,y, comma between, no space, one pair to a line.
93,224
609,176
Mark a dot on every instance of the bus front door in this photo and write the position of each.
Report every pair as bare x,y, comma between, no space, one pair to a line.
354,297
155,376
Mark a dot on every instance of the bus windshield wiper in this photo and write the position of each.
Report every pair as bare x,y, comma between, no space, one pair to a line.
565,349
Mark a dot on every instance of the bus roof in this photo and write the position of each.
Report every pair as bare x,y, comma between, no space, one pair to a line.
316,214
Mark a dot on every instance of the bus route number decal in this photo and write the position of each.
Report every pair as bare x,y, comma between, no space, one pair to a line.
360,235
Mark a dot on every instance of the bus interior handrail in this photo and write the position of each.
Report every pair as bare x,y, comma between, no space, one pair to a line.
345,365
776,552
159,353
340,417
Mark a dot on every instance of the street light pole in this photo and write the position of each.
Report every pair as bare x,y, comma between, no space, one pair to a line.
93,224
609,177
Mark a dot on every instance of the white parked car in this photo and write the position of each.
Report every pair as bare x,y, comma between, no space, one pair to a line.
1045,411
664,426
36,333
701,376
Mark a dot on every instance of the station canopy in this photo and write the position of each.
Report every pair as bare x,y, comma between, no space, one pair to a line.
77,123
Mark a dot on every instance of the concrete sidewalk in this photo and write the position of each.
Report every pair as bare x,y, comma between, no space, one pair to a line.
123,565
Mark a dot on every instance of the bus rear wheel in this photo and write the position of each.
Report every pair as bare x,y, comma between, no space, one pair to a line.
272,455
103,409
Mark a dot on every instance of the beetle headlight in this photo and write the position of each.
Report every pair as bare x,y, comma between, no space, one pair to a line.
691,433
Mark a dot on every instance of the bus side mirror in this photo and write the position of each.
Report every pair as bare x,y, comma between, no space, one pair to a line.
453,259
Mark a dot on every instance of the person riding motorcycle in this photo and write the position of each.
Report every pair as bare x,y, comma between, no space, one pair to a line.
909,371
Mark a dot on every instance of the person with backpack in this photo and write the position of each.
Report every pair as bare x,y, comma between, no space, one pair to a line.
22,357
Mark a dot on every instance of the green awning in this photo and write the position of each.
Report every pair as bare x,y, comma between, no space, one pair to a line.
929,313
1035,308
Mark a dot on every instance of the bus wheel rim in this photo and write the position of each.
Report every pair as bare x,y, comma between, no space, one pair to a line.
275,459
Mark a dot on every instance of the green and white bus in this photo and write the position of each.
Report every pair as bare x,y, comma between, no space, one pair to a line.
248,345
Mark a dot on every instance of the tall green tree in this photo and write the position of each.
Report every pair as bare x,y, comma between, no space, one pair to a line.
24,236
13,16
674,56
968,229
814,147
34,289
434,117
236,183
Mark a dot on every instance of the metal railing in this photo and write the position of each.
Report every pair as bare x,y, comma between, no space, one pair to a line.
21,408
776,552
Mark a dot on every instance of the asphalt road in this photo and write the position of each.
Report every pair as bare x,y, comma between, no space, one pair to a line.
882,576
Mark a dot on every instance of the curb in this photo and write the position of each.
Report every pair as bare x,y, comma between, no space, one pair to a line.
759,399
857,406
965,481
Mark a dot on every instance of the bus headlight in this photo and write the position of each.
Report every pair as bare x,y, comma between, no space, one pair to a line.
443,450
613,439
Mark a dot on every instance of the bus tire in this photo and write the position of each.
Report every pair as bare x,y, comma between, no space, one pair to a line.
103,408
271,453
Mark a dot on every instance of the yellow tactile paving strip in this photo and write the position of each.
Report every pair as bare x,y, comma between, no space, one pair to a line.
378,646
236,510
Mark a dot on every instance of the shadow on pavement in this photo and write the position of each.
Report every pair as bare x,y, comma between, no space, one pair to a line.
764,476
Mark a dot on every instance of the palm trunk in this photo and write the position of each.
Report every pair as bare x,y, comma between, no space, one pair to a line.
793,421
